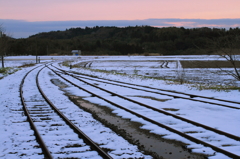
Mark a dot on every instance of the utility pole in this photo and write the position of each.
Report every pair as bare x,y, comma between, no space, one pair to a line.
2,48
36,54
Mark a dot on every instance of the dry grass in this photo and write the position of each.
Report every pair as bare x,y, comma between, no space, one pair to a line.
7,71
145,54
27,65
170,109
152,98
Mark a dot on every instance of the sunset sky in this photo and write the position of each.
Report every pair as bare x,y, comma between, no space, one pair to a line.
32,11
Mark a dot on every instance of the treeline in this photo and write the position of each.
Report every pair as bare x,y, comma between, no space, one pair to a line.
122,41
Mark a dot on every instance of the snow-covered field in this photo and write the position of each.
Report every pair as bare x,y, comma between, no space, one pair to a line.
167,67
133,65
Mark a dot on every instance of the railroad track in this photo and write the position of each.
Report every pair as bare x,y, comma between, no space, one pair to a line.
164,64
171,93
57,136
196,132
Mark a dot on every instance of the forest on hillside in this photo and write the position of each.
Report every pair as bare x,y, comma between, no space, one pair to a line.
126,41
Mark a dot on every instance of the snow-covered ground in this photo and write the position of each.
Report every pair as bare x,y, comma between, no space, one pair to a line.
167,67
9,97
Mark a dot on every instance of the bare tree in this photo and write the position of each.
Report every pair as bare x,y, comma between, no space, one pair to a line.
229,48
3,44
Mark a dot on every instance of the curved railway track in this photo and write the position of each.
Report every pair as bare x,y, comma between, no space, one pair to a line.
56,134
200,137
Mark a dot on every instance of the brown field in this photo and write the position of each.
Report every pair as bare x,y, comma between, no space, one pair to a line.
208,64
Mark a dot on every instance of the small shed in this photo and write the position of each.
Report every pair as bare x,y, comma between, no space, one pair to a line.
76,52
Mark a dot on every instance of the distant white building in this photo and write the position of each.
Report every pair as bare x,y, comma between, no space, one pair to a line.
76,52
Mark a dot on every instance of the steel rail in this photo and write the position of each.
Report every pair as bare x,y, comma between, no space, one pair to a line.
190,95
92,144
164,112
175,96
155,122
44,148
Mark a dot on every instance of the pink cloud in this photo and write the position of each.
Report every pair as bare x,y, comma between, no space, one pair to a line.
180,24
49,10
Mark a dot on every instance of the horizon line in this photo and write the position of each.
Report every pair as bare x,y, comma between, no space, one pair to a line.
24,29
